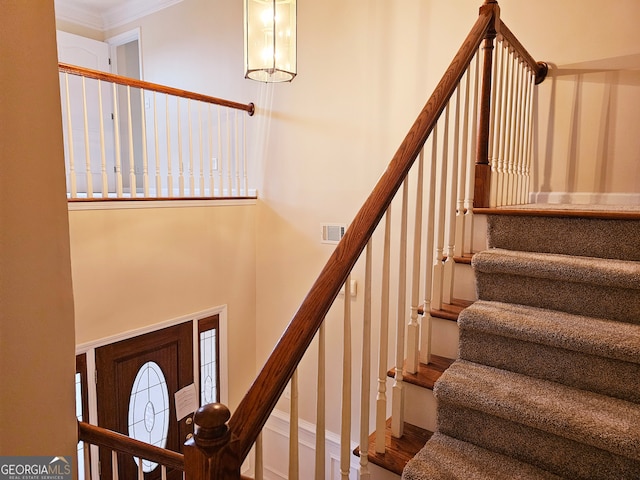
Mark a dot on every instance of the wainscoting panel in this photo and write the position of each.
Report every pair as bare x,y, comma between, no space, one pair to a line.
276,450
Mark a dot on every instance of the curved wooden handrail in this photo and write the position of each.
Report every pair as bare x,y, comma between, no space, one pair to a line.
154,87
255,408
121,443
539,68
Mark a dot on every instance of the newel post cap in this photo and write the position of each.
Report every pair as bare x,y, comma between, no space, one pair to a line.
210,428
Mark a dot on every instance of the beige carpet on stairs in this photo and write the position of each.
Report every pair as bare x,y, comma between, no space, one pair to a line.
547,384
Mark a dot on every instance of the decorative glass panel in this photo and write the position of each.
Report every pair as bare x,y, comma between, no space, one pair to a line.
208,367
80,447
149,410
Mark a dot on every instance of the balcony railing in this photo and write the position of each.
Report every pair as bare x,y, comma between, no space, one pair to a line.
128,139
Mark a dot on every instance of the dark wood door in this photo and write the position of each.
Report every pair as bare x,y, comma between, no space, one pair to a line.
136,382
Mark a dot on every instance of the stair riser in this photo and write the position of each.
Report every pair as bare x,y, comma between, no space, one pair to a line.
606,376
464,286
557,454
420,407
619,304
583,236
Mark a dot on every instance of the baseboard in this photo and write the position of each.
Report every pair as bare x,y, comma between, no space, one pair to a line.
585,198
275,440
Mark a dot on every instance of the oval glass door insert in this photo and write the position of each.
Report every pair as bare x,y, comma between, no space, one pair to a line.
149,410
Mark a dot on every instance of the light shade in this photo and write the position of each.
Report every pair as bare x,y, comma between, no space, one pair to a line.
270,40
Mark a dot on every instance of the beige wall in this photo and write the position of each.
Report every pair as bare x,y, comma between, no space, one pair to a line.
587,109
133,268
365,70
37,411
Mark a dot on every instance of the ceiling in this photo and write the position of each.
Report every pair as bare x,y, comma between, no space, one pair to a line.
105,14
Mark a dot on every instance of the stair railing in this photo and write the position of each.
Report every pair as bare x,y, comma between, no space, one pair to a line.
407,263
122,444
457,120
127,138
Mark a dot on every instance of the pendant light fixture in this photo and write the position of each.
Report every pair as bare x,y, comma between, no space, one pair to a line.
270,40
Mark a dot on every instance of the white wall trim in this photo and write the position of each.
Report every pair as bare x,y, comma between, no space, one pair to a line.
277,430
585,198
130,204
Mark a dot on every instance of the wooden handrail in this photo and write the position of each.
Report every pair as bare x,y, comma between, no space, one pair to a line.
255,408
123,444
154,87
539,68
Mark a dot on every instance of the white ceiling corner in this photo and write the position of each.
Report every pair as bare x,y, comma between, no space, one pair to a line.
106,14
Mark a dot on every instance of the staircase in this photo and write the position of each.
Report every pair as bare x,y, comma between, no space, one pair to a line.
547,381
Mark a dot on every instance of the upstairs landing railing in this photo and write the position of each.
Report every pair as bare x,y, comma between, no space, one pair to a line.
128,139
470,146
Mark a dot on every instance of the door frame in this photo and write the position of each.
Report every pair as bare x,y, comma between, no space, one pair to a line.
90,347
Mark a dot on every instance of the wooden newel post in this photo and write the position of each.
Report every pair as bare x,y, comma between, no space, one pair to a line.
209,455
482,192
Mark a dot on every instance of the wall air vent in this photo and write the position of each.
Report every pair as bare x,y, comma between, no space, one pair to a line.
332,233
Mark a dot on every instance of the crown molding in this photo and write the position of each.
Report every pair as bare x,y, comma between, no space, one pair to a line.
80,13
74,12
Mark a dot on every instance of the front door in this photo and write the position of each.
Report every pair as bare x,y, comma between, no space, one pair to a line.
136,382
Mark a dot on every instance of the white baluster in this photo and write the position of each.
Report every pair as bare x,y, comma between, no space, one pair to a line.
169,159
86,473
397,401
413,328
72,169
366,368
145,153
192,180
449,264
157,149
425,331
438,267
132,171
345,430
220,185
87,146
510,129
381,397
201,150
470,184
103,152
503,119
116,131
181,185
163,472
245,172
294,463
320,407
140,470
517,159
529,145
229,172
114,461
237,152
259,470
496,126
462,175
211,162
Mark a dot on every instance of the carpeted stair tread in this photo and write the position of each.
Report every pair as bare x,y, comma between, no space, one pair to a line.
563,268
553,453
603,422
593,237
446,458
587,353
595,336
579,285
